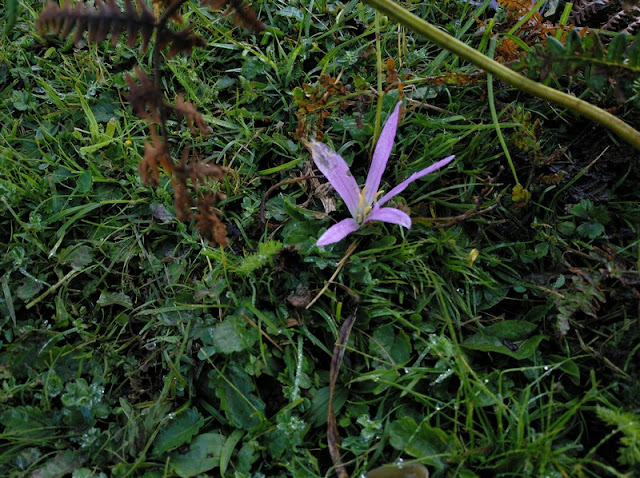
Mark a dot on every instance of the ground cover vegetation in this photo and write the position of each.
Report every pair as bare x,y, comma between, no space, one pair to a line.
167,312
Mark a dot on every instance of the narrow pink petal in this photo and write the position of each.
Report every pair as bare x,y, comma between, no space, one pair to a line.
402,186
338,231
337,173
381,155
390,214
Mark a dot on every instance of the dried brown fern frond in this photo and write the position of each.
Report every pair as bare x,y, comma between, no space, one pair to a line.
242,13
183,41
181,201
583,9
107,17
194,169
156,154
147,101
186,110
208,223
626,20
633,26
173,5
534,30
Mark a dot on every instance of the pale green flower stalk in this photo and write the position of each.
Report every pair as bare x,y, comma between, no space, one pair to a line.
455,46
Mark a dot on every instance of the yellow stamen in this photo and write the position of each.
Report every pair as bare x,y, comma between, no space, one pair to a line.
364,208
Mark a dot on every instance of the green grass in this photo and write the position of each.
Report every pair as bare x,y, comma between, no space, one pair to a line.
490,339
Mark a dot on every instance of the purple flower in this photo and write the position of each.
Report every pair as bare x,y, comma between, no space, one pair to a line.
364,204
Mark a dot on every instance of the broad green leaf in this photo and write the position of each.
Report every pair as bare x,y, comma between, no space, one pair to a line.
203,455
178,432
430,445
574,43
233,334
556,48
566,228
441,346
10,15
319,409
57,467
529,255
395,470
253,67
291,12
227,450
25,422
390,346
87,473
590,230
490,343
511,329
77,256
633,53
617,47
29,288
237,398
582,209
114,298
247,456
538,312
568,366
85,182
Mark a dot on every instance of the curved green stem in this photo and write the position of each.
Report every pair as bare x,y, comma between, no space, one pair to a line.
494,113
443,40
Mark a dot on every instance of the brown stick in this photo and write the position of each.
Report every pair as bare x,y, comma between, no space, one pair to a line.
264,334
333,439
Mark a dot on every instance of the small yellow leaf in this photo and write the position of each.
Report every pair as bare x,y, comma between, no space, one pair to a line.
473,255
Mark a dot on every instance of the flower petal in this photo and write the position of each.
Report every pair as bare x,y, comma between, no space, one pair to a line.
381,155
390,214
333,167
338,231
402,186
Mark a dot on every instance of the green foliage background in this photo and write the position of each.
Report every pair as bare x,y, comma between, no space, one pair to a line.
131,348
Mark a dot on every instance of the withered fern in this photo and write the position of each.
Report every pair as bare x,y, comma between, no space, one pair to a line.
105,18
607,15
584,9
242,13
626,20
146,97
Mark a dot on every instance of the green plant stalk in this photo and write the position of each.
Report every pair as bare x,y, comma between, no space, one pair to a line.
492,108
525,18
564,19
376,128
443,40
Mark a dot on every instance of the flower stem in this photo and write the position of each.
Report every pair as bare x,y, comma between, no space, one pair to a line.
455,46
376,126
494,114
